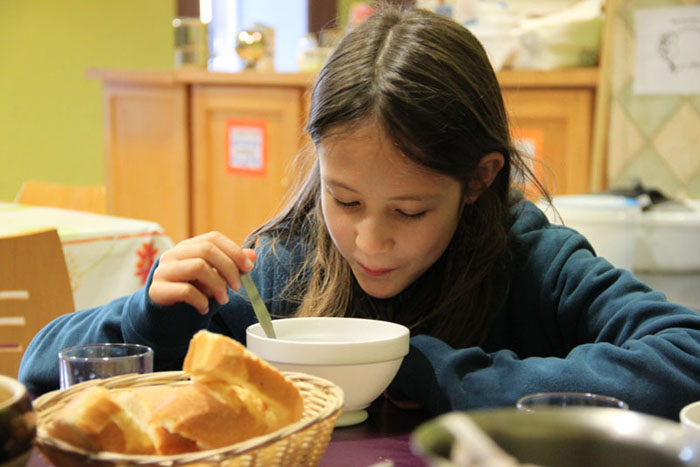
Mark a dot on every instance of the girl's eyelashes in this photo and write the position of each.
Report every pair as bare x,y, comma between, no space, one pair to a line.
411,215
354,204
349,204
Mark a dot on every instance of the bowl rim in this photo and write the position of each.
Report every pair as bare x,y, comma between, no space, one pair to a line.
359,352
403,330
18,390
683,415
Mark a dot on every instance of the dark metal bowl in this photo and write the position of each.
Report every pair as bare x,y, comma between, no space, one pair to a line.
567,437
17,422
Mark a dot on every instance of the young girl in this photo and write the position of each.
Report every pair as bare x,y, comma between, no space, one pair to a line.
407,214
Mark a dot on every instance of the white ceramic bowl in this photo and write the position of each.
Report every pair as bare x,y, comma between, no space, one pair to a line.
690,422
361,356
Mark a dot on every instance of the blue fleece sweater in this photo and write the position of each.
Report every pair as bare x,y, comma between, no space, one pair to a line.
572,323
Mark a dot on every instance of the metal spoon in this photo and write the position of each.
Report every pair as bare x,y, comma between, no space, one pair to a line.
258,306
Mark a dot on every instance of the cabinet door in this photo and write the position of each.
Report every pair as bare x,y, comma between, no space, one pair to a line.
559,122
227,195
147,154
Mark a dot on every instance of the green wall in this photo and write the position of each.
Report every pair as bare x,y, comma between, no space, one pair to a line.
50,113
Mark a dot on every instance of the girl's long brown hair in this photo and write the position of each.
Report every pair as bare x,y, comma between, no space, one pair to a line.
427,82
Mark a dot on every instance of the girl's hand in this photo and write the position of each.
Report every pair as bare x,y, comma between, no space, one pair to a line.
199,268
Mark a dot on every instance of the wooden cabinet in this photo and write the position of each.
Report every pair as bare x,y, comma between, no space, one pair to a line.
147,158
167,147
167,140
235,202
553,111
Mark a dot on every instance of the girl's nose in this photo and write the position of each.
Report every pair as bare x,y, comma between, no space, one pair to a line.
373,237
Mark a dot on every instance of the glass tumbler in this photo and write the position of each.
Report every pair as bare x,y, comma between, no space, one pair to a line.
97,361
531,402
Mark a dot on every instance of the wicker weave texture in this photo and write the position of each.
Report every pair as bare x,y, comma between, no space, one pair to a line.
299,444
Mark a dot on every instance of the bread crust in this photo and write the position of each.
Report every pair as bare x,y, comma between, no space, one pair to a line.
218,361
83,422
137,405
196,413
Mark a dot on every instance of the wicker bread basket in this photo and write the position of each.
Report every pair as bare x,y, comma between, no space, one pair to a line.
299,444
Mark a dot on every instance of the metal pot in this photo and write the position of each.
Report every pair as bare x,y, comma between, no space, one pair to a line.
554,437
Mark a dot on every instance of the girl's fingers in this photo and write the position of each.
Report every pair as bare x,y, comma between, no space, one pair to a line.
251,254
195,271
233,251
211,255
221,253
199,268
169,293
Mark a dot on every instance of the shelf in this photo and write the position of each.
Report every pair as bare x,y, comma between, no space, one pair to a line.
563,78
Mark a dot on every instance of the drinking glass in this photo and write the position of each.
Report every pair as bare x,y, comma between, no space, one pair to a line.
96,361
531,402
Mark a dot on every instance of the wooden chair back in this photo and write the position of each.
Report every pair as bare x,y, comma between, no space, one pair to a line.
34,289
90,198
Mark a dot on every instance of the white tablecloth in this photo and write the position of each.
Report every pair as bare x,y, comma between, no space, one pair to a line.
107,256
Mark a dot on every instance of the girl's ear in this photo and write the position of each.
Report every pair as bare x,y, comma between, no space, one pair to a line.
486,172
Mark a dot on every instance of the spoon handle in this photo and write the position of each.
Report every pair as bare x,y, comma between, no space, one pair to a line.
258,306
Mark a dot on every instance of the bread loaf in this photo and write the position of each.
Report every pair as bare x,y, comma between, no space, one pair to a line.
238,376
233,396
138,404
88,421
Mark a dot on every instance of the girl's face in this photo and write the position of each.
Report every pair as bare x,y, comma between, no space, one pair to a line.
389,217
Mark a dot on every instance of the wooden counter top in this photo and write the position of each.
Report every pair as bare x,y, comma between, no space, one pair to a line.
564,78
550,79
199,76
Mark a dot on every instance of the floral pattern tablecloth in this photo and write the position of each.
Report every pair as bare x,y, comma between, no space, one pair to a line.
107,256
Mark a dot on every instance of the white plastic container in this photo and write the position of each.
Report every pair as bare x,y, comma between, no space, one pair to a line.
609,222
669,240
569,37
496,27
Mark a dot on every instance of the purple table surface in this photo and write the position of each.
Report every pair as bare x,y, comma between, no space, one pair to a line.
382,440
